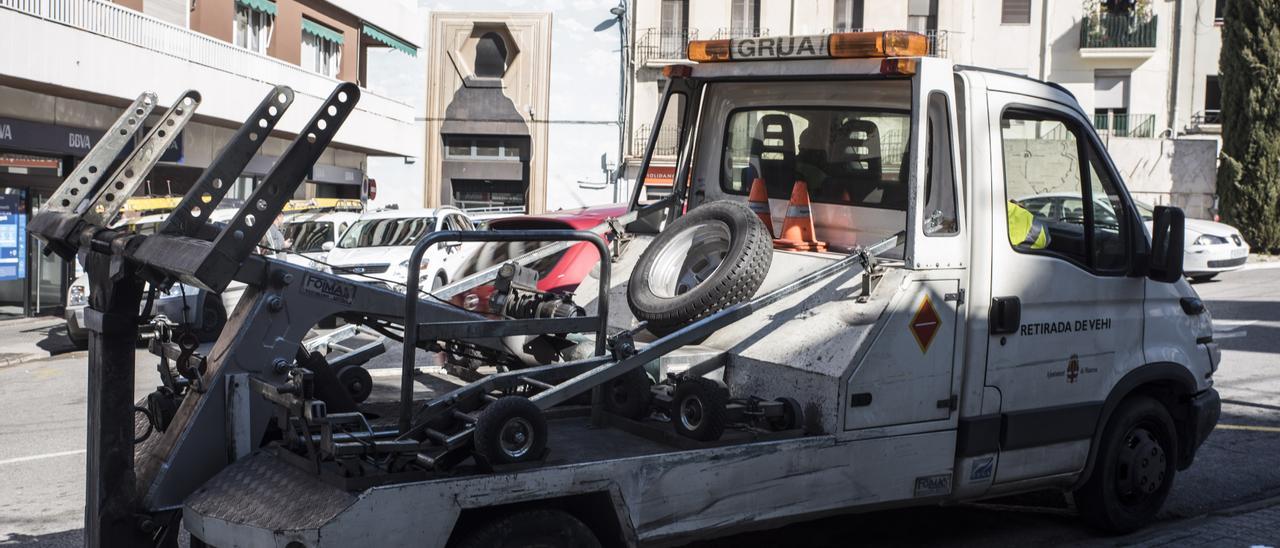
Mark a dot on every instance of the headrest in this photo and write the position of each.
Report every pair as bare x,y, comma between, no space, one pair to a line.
774,139
857,142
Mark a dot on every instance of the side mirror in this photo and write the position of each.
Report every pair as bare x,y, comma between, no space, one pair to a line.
1168,239
327,246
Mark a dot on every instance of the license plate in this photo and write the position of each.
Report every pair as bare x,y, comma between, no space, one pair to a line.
1237,253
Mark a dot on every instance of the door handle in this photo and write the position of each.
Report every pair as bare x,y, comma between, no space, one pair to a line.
1006,315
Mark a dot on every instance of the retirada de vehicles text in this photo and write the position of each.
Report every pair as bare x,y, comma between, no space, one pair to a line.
883,339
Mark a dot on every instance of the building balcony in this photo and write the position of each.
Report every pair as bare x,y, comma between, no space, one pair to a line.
1125,125
657,47
734,34
667,146
102,52
1104,35
1206,121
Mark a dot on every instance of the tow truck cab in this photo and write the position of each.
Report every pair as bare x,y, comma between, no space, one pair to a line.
1039,346
965,365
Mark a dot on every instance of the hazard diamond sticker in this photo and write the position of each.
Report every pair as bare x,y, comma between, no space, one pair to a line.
925,324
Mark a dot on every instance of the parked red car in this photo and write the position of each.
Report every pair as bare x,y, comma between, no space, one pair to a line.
562,271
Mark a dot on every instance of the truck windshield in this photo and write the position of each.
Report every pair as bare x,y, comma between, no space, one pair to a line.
848,156
386,232
309,236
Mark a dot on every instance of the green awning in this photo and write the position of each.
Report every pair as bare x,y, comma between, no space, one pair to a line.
265,6
387,39
321,31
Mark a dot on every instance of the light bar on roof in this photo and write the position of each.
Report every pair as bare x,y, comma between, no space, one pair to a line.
847,45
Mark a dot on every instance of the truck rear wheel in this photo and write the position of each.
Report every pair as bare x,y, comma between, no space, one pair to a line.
1134,470
699,409
530,529
511,430
713,257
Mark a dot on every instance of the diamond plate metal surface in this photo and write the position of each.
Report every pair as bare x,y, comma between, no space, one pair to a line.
261,491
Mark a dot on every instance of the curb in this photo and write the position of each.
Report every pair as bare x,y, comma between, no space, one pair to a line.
6,363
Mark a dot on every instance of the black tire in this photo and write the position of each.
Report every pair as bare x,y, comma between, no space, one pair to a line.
629,396
438,282
699,409
532,529
1201,278
667,300
79,343
213,318
511,430
1134,470
792,415
357,381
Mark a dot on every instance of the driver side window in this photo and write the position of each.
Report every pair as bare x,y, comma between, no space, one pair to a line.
1061,202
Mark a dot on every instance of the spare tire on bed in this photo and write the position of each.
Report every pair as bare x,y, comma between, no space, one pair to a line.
714,256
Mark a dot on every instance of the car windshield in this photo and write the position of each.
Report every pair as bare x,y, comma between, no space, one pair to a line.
1069,209
386,232
308,236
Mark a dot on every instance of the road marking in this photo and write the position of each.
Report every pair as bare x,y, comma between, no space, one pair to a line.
41,457
1274,429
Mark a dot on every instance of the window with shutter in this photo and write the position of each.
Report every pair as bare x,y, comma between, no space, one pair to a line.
1015,12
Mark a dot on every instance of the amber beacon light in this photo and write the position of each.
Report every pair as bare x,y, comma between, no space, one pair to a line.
845,45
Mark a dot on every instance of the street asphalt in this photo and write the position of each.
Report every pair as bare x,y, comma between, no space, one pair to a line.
42,460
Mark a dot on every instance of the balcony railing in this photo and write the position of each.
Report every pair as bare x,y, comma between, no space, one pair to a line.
1207,118
1117,31
663,45
125,25
733,34
1126,125
667,146
937,42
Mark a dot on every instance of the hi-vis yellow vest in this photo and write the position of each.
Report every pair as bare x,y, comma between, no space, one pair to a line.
1023,230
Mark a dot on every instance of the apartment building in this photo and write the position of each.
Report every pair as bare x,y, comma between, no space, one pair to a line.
1146,69
70,66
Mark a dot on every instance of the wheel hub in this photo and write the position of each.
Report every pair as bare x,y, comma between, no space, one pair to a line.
691,413
689,259
1142,465
516,437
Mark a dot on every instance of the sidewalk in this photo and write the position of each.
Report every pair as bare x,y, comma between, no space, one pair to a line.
26,339
1252,525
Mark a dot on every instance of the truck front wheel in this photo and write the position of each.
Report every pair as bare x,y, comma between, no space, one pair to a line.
1135,468
532,528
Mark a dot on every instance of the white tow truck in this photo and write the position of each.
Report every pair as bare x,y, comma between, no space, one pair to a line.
921,358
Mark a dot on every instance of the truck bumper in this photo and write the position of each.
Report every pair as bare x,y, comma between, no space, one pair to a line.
1202,416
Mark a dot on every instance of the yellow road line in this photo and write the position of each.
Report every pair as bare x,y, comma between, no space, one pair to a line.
1251,428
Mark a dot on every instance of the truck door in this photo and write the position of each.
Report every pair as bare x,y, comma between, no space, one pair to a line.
1066,317
908,375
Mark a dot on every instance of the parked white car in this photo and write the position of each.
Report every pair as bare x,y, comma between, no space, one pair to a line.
1211,247
182,304
310,236
377,247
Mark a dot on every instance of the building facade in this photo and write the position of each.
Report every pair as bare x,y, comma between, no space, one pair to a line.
74,64
1146,69
518,105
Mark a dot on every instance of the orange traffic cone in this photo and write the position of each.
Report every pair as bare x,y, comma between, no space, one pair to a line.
758,200
797,228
